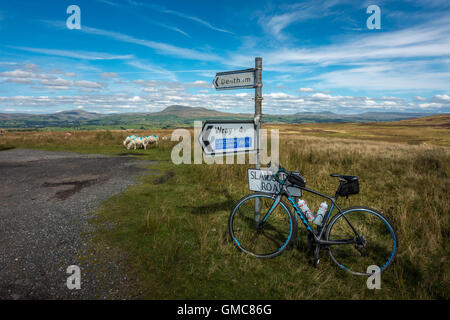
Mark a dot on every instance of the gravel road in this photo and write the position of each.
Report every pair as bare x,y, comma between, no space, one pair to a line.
45,200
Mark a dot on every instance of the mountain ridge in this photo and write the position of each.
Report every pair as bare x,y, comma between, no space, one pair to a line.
176,115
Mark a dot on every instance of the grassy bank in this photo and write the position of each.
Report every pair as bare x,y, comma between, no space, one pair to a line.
173,225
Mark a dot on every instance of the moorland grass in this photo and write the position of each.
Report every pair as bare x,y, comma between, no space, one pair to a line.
173,224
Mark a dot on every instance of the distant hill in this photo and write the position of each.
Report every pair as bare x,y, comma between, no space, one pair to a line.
77,115
63,115
178,115
184,111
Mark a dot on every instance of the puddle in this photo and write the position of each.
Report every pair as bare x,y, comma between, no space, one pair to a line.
76,186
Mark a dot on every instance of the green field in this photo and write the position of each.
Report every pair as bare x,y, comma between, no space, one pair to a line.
172,226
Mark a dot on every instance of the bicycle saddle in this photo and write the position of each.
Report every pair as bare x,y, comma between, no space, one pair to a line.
346,178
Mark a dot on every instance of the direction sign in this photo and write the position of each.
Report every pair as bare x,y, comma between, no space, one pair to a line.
225,137
263,181
239,79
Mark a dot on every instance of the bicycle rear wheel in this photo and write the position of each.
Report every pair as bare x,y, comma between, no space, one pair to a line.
270,238
376,245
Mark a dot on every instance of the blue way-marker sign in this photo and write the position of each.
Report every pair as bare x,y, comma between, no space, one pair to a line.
233,143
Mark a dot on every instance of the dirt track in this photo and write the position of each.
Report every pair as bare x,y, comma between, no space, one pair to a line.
45,200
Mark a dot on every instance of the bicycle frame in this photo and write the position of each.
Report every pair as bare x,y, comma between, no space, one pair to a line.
317,236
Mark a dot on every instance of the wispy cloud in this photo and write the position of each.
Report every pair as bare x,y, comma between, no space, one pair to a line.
156,70
110,3
408,59
121,6
196,19
171,28
159,47
84,55
275,23
180,14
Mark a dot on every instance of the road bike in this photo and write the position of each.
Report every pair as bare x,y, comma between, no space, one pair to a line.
355,237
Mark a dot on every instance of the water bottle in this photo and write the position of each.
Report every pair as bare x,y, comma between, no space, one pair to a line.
304,208
321,213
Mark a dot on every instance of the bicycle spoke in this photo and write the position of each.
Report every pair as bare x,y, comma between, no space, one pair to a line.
266,239
375,242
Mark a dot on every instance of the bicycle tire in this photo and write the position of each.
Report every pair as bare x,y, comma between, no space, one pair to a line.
275,223
377,249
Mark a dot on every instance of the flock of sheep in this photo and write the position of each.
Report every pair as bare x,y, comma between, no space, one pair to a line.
140,142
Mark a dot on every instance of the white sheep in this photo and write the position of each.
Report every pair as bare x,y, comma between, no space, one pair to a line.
136,143
148,140
128,140
153,139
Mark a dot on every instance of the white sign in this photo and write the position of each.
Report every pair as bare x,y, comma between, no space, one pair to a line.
227,137
263,181
240,79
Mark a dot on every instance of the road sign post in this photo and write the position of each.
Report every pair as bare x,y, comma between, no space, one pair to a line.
241,79
245,79
258,115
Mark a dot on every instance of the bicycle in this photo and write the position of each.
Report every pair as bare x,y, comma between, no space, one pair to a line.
355,237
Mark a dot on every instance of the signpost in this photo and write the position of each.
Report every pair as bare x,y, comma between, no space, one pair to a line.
263,181
227,137
241,79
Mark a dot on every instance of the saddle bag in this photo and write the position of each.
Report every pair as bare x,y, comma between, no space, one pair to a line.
348,188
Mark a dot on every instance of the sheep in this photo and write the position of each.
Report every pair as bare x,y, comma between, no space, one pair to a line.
136,143
150,140
128,140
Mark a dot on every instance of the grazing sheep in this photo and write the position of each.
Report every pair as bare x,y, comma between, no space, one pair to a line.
153,139
136,143
150,140
165,138
128,140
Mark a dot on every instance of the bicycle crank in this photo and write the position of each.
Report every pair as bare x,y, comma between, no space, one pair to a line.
316,255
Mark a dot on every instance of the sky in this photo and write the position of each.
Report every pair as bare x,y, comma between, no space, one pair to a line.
142,56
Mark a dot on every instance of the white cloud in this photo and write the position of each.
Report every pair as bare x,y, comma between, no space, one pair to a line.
24,74
18,80
408,59
163,94
441,98
275,24
107,75
306,90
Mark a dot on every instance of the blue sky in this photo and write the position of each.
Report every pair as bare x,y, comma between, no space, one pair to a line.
142,56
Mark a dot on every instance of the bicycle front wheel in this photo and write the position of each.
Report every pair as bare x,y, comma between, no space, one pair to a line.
375,240
262,240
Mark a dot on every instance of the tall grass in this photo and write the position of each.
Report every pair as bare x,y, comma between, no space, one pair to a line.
409,184
174,226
